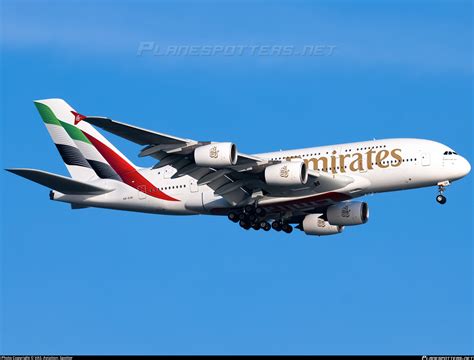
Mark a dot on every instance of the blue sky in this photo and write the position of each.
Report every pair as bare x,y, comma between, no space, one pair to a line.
97,281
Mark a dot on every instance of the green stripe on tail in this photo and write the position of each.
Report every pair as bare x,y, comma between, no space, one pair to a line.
46,114
74,132
48,117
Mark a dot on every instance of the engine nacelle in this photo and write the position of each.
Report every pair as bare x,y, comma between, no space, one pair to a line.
216,155
287,173
348,213
314,225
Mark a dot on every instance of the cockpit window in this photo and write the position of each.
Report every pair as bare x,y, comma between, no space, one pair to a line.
450,153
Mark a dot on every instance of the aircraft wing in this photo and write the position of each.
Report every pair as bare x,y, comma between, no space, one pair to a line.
159,143
237,183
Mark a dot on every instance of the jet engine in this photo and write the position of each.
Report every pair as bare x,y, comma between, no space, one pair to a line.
348,213
287,173
216,155
314,225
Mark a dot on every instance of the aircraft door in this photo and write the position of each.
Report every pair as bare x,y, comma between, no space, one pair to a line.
168,171
141,192
425,159
193,186
365,164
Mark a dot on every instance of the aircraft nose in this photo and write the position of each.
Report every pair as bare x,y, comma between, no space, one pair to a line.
464,167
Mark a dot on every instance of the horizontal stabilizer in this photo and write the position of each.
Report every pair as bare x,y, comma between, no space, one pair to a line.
60,183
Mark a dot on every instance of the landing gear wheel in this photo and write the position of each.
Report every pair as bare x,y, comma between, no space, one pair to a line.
287,228
233,217
245,225
265,225
441,199
256,226
260,212
276,225
249,209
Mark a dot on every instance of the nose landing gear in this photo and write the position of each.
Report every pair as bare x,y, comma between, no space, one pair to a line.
441,189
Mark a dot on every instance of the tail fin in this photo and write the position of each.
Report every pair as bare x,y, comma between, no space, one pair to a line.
78,142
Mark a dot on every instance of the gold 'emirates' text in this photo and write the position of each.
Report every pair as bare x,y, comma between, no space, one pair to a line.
355,162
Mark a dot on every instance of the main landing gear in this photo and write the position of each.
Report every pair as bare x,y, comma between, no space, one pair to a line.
254,217
441,189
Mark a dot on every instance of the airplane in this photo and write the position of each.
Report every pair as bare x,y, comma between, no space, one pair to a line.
312,189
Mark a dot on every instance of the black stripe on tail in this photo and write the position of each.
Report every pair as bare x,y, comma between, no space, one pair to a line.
72,155
103,170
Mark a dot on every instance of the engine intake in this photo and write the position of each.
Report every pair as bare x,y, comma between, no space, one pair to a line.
287,173
216,155
348,213
314,225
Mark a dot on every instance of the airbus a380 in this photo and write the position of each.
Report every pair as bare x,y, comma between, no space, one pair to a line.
312,188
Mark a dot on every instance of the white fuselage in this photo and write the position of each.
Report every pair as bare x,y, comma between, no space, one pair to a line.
376,166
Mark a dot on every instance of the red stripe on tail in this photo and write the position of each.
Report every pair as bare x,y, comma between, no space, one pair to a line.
127,172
